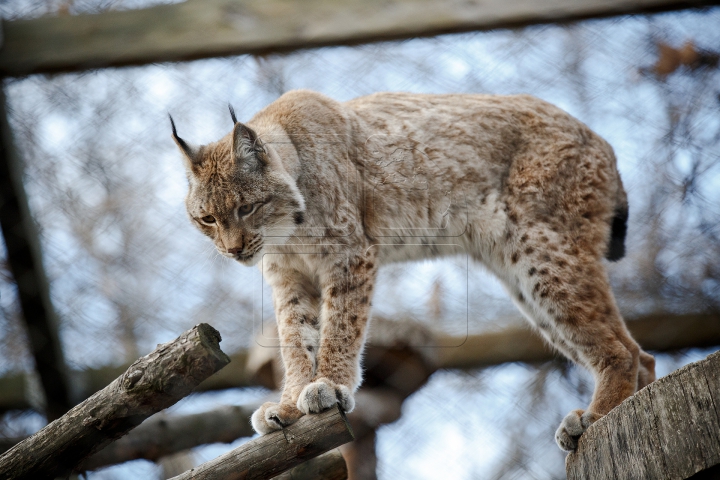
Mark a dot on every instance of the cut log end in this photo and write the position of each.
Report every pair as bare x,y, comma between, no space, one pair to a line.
668,430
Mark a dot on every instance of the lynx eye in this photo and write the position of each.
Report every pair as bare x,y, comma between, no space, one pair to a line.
208,219
246,209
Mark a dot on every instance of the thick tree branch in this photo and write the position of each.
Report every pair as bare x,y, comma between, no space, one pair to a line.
328,466
152,383
274,453
164,435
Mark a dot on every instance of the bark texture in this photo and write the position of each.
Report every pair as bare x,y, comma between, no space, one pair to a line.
668,430
164,435
152,383
274,453
328,466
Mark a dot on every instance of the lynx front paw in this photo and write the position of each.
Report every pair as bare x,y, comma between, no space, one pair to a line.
274,416
573,425
323,394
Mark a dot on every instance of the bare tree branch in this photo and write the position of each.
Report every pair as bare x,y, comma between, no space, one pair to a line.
328,466
274,453
152,383
164,435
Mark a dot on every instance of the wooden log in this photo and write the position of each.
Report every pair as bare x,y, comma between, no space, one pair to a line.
152,383
328,466
209,28
14,387
657,332
25,261
164,435
274,453
668,430
7,443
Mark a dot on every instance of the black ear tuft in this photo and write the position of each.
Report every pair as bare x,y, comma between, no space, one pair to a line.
172,124
232,114
190,153
181,143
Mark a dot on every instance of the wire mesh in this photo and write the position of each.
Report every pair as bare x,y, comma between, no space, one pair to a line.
128,270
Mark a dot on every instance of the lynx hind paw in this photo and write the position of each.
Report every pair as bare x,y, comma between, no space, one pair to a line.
318,396
274,416
572,427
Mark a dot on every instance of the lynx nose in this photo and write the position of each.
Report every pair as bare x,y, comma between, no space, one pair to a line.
234,251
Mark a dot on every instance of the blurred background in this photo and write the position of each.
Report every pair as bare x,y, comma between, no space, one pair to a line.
127,270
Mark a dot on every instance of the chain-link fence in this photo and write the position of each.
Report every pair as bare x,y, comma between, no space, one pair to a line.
128,270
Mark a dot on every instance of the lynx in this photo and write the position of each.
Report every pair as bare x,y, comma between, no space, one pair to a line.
319,194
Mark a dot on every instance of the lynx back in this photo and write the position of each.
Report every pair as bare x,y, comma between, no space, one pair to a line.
520,186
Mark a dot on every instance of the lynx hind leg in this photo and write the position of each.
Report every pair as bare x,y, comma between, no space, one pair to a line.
566,295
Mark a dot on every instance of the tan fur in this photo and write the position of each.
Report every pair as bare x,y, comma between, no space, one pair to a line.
342,188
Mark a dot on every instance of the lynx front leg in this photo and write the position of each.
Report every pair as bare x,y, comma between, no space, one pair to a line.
347,291
296,309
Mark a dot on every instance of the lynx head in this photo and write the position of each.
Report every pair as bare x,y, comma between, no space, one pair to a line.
240,193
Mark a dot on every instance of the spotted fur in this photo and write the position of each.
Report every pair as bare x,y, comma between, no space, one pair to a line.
319,194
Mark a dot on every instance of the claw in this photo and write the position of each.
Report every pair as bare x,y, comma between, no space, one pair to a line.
572,427
322,395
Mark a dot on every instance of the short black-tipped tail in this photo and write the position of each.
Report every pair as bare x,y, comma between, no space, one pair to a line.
616,249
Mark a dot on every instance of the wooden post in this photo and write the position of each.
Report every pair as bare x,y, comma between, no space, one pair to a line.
152,383
25,261
210,28
274,453
668,430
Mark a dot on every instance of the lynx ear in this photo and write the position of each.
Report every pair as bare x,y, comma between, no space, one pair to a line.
247,148
190,153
